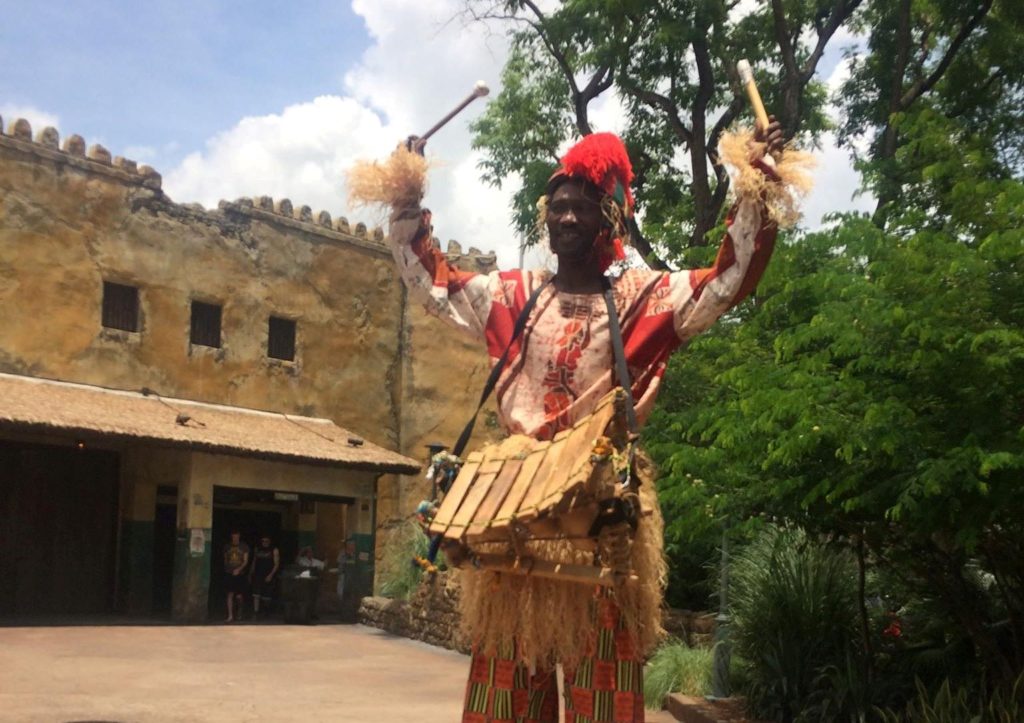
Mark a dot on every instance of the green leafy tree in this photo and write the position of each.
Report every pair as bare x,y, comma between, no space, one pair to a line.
875,396
671,63
960,58
870,391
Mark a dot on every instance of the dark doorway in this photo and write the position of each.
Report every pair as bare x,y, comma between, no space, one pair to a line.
58,516
251,523
164,528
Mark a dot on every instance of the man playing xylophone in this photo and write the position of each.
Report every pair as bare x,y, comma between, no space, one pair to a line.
556,372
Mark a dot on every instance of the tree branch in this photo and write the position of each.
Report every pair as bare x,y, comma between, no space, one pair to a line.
782,38
600,81
840,13
723,122
706,213
888,148
705,75
578,102
721,174
644,248
998,75
664,104
924,85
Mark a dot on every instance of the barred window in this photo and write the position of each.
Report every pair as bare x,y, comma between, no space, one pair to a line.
281,339
205,324
120,306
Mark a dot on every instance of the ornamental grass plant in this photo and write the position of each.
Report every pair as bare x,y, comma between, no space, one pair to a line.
399,575
675,667
961,704
794,616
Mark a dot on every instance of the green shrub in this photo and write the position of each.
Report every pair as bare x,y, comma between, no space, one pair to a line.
399,576
794,617
961,705
840,694
934,646
692,568
676,668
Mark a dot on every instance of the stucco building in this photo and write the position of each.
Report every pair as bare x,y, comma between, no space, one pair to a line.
168,372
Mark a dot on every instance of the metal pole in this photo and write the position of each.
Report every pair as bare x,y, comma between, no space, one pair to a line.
723,647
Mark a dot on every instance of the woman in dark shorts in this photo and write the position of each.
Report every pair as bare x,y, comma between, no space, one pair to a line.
262,575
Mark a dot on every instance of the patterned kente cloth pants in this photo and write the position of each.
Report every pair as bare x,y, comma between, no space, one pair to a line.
606,685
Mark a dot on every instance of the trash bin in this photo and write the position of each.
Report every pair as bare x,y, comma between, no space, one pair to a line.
299,595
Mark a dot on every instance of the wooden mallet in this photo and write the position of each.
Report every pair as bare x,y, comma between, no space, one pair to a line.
479,91
747,78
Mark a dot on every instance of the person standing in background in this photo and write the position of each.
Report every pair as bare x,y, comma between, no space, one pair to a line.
265,564
236,559
346,567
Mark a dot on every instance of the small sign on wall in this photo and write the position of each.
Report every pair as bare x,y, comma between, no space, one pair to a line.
197,543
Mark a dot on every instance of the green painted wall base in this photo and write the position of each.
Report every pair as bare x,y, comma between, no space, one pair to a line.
363,583
136,584
190,596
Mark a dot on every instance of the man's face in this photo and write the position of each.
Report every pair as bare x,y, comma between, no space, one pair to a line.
235,537
265,541
574,219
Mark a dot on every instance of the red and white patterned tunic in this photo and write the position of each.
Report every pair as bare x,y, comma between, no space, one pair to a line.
562,365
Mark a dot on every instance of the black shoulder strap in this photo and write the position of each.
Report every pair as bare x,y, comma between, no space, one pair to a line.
621,370
498,367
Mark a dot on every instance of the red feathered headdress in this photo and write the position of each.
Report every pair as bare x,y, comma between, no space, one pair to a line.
601,159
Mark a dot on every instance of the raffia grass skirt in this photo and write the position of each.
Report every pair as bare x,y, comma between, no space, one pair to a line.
554,621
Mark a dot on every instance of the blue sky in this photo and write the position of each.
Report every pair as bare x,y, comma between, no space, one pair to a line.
259,98
170,74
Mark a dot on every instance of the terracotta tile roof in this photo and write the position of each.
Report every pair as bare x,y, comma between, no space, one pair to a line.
32,404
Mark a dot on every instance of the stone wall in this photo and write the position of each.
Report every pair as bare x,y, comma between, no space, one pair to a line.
430,615
696,629
69,222
73,216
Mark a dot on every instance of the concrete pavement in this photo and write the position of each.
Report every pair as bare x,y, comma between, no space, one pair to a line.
227,673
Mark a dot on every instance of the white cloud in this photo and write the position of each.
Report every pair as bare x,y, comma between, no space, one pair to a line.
422,62
300,153
835,185
608,113
38,118
742,9
479,208
423,59
836,182
839,75
845,37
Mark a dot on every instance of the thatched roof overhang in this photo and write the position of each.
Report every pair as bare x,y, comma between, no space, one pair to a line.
30,404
